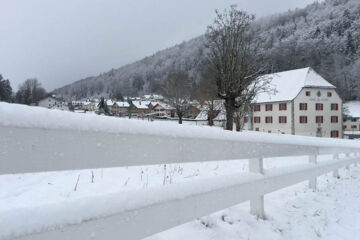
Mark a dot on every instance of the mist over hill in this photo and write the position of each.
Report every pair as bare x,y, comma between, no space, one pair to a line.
324,36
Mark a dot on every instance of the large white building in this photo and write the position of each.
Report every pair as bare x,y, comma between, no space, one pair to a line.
300,102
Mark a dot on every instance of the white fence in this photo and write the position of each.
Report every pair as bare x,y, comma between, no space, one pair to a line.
36,150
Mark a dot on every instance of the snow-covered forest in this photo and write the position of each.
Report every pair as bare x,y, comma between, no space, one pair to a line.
324,36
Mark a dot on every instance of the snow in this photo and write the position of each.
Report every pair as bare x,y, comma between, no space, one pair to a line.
285,86
141,104
15,115
123,104
352,108
109,102
51,200
296,213
293,213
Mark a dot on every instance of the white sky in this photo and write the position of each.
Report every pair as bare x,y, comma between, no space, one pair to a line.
65,40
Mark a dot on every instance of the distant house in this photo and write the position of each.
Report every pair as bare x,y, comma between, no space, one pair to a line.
120,108
77,104
152,97
352,119
140,108
163,110
303,103
53,103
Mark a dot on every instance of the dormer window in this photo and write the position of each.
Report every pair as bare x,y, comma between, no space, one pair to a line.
307,93
329,94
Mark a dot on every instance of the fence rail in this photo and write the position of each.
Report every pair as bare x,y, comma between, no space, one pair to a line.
36,150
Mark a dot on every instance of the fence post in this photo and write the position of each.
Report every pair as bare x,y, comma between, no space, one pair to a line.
313,180
348,166
257,204
336,171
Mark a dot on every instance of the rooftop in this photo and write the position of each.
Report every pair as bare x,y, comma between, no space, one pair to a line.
285,86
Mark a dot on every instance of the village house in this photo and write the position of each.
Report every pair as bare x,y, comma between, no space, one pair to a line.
51,102
120,109
152,97
163,110
77,104
140,108
302,103
352,119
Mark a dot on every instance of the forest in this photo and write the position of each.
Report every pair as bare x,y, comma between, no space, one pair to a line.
324,35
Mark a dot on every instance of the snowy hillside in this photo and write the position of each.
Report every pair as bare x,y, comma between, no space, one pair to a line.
324,36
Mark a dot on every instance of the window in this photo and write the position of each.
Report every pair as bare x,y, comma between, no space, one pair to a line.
334,107
256,119
329,94
303,119
282,119
353,126
319,107
257,129
256,108
268,119
246,119
319,119
303,106
334,119
268,107
334,134
282,106
308,93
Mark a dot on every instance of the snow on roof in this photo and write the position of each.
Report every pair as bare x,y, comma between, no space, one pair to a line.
109,102
122,104
141,104
285,86
352,109
164,105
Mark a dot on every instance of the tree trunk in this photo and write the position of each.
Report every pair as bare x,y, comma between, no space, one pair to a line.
238,124
211,118
230,109
180,119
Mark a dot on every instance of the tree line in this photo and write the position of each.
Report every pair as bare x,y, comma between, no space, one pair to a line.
30,92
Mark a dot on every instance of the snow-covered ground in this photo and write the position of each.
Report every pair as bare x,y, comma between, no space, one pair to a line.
297,213
333,212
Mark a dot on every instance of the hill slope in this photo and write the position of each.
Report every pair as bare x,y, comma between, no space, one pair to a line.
325,36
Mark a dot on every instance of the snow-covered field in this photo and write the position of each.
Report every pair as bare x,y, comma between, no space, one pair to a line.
333,212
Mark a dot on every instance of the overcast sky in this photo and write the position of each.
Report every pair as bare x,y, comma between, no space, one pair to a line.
59,42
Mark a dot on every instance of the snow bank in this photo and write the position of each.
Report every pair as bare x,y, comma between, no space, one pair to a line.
15,115
74,211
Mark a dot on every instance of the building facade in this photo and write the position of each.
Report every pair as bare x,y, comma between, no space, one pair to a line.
300,102
352,119
163,110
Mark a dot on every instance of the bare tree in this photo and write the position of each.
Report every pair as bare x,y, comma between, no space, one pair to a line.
207,95
178,91
233,59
